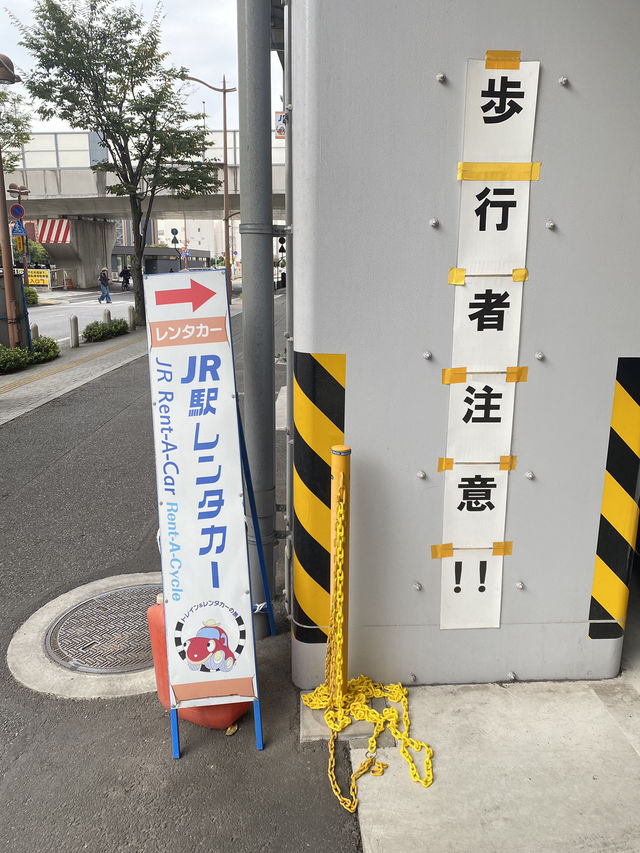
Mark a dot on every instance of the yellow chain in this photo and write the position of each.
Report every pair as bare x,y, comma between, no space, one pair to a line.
353,703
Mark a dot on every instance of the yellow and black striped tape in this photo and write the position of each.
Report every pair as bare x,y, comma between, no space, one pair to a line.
318,416
619,515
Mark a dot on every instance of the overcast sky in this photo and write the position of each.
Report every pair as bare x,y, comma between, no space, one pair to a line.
199,34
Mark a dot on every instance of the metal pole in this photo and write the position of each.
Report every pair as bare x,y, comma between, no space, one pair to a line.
7,266
289,302
340,493
225,197
254,61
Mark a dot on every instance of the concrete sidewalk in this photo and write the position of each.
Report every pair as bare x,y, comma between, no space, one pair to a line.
542,767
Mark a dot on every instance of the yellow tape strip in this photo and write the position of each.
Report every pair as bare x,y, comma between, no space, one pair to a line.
502,549
521,274
517,374
438,551
454,375
502,59
456,275
445,463
498,171
508,463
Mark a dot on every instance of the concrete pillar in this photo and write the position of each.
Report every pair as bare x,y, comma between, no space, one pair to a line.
89,247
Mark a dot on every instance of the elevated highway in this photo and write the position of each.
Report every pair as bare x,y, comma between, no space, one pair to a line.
57,169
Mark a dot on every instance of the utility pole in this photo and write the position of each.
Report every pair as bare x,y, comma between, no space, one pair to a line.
254,84
8,76
225,173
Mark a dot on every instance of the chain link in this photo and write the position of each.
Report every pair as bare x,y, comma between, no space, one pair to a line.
352,703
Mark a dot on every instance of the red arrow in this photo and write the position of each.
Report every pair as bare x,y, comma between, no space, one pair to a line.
197,295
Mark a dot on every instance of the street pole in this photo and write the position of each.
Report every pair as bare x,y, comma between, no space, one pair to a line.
225,173
254,63
7,77
7,266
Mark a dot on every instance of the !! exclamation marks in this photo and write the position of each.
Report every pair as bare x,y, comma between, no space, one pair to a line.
458,571
483,575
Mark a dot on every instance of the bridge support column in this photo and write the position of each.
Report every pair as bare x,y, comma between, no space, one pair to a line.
80,247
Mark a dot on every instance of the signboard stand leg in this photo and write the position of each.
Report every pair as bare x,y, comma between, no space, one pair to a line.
257,721
256,527
175,736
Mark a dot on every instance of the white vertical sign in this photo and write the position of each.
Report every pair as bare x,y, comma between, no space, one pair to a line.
205,571
495,173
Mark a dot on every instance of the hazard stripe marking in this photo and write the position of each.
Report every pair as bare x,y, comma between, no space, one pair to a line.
620,509
620,513
312,598
313,427
312,470
626,418
313,557
609,592
302,627
318,385
318,415
312,514
623,464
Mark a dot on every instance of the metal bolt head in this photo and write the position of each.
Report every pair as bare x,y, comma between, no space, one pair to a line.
564,81
550,224
539,355
417,586
511,676
421,475
441,77
427,355
529,475
520,585
434,223
413,677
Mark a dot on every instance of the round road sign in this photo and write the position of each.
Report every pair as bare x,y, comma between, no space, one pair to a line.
17,211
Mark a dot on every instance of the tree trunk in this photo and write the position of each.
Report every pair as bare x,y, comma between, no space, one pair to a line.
137,260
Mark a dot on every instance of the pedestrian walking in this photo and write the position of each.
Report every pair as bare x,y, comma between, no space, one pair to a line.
103,279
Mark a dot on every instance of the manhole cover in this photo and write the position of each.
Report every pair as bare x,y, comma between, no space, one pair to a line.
106,634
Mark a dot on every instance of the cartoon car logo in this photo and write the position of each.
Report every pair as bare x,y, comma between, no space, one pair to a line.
210,648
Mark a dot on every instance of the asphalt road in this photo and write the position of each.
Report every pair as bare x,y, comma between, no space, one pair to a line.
53,320
78,502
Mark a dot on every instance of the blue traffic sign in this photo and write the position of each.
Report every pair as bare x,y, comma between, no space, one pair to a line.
18,230
17,211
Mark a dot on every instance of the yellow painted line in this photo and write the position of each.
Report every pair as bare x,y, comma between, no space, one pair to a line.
43,374
610,591
314,600
620,510
498,171
312,513
314,427
625,418
336,365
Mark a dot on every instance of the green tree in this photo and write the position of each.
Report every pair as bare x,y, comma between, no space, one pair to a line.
98,65
37,252
14,128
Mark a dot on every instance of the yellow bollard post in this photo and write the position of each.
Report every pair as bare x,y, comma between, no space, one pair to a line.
340,491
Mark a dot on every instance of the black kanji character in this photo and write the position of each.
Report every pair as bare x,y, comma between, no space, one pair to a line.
481,210
476,493
502,108
482,402
491,307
